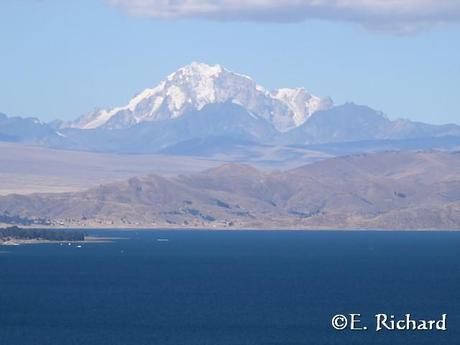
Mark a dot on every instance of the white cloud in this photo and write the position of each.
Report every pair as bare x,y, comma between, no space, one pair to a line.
397,16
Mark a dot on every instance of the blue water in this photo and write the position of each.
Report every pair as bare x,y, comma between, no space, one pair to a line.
228,288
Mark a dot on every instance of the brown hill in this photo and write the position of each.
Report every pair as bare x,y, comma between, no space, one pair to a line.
391,190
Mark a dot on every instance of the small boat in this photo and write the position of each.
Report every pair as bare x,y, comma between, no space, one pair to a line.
162,239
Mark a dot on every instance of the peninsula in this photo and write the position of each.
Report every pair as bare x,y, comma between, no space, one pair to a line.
17,235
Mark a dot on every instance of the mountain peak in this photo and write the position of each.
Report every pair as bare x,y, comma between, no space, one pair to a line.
204,71
198,84
199,68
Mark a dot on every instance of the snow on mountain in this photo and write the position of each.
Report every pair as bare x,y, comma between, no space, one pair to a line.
301,103
198,84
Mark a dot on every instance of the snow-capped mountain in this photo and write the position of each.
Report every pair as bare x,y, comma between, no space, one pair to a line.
194,86
201,109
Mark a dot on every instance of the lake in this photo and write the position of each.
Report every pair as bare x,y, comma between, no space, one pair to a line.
229,288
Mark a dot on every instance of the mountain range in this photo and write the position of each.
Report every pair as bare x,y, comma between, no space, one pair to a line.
390,190
293,160
202,106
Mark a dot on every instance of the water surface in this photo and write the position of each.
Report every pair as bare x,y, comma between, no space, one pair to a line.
228,288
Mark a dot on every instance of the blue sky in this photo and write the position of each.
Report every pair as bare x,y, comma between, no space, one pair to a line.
60,59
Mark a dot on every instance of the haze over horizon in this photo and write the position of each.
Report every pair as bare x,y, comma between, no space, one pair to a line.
67,59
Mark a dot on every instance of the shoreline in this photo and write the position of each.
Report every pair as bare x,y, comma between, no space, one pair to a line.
102,239
268,228
88,240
